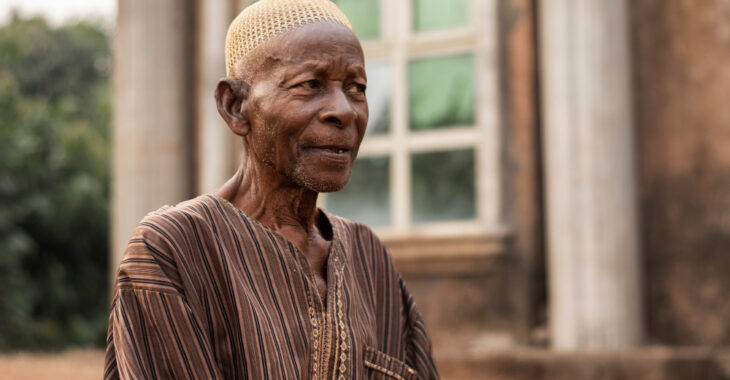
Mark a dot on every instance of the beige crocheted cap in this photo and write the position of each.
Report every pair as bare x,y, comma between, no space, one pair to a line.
267,18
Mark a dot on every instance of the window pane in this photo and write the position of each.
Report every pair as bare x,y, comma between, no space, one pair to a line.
366,198
364,16
437,14
379,95
441,92
443,186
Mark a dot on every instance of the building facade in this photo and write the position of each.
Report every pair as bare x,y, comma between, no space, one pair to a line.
548,175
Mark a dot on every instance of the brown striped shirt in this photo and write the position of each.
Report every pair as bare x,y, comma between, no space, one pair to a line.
206,292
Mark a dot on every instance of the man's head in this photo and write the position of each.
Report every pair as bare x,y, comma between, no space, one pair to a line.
296,94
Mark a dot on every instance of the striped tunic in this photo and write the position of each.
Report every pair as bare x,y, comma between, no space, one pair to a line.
207,292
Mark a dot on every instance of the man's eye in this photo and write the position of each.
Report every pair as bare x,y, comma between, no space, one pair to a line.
356,88
310,84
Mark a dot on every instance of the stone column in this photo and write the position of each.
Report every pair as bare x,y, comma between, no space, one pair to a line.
217,156
152,123
592,236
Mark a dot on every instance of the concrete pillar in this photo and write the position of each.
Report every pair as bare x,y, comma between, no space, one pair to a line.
217,156
592,236
152,123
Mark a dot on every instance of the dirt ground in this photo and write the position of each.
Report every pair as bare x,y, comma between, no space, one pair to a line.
77,365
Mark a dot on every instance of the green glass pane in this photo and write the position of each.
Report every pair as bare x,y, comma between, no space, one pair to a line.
364,16
366,198
442,186
438,14
380,95
441,92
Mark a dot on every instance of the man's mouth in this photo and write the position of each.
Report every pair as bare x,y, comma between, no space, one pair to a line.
333,153
335,149
332,148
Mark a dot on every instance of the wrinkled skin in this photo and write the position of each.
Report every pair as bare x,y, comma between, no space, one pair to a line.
298,102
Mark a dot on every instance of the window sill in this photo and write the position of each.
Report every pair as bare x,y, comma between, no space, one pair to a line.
447,256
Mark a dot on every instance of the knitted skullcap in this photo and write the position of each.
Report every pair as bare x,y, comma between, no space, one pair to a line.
268,18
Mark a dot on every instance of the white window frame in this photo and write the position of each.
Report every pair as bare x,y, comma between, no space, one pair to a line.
397,45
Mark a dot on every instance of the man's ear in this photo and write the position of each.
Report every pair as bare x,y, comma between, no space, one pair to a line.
231,97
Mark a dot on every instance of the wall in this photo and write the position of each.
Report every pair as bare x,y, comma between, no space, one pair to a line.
681,59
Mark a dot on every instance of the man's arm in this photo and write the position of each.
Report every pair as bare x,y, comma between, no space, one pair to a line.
419,355
153,332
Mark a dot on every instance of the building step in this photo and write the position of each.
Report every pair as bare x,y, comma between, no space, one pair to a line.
653,363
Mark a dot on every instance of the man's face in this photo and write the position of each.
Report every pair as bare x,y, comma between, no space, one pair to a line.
307,106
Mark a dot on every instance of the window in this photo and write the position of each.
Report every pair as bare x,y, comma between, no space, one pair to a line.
429,163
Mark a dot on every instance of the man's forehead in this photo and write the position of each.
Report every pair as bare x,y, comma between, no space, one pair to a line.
284,69
321,64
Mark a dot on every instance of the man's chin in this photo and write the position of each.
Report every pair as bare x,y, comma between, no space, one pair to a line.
323,186
331,188
320,185
319,182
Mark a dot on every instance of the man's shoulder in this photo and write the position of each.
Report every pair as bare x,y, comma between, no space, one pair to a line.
163,240
182,218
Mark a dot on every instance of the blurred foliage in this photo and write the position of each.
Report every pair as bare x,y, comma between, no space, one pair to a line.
54,184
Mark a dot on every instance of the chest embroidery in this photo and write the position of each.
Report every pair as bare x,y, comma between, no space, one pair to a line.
330,339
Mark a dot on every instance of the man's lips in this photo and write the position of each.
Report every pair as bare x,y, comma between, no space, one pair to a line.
332,148
337,153
335,149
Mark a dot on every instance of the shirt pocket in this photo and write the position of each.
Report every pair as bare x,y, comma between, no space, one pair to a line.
386,367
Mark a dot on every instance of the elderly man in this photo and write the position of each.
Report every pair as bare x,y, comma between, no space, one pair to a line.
254,281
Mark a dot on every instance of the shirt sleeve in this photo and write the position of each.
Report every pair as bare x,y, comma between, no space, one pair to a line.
153,333
418,349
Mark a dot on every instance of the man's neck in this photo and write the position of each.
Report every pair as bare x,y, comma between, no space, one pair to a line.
289,210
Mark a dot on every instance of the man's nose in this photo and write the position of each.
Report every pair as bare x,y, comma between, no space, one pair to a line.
338,110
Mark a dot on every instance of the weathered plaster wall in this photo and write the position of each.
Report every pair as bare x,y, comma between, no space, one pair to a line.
681,55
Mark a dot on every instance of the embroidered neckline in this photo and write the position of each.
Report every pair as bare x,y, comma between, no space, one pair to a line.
330,335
